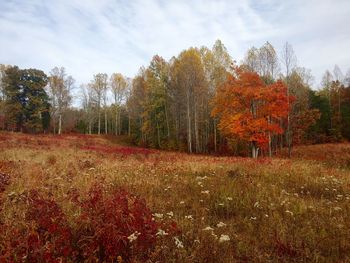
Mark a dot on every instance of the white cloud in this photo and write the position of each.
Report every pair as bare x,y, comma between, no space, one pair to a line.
91,36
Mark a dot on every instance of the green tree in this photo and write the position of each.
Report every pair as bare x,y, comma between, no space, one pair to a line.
27,103
156,104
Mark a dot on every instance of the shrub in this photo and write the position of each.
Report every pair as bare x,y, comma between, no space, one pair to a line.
45,236
119,224
108,226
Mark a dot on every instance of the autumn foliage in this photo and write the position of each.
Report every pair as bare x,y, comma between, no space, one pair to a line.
106,225
109,224
250,109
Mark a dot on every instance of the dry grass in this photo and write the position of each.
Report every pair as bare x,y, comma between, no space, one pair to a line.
272,210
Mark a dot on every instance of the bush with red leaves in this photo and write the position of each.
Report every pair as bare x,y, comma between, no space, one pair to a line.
46,236
118,224
107,226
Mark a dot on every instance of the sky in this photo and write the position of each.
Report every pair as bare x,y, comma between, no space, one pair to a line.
107,36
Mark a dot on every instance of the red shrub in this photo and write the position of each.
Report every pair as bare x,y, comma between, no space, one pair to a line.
108,226
114,225
46,236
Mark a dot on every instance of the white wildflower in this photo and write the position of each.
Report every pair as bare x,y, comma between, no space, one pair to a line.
170,214
161,232
190,217
178,243
158,215
182,202
229,198
224,238
205,192
252,218
208,228
133,236
289,212
11,194
221,224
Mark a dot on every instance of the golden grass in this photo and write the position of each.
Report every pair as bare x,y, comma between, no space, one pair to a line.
272,210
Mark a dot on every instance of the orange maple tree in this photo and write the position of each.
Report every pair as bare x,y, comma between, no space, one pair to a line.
250,109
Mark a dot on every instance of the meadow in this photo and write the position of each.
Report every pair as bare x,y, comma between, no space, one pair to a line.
80,198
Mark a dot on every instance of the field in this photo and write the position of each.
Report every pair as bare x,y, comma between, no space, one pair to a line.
87,198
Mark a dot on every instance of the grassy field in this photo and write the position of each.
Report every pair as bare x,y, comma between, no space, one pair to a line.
203,208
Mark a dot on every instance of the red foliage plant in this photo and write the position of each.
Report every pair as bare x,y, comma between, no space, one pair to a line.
108,226
46,236
114,225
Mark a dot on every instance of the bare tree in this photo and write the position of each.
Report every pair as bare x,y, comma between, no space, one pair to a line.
88,103
60,87
119,85
289,61
347,79
338,74
2,75
326,84
99,86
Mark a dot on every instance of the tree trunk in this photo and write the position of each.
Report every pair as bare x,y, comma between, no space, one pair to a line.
189,131
60,124
99,123
255,150
196,134
106,122
289,139
158,135
54,125
167,121
119,123
116,122
129,126
270,146
215,135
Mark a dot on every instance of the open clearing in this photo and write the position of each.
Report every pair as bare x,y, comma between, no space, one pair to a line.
226,209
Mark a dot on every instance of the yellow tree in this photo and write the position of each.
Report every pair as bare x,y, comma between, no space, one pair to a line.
190,78
118,85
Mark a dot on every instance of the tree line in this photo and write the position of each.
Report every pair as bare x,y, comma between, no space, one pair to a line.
201,101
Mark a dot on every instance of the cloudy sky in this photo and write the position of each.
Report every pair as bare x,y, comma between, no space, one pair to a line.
92,36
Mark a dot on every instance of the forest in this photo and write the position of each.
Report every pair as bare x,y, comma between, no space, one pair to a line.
201,101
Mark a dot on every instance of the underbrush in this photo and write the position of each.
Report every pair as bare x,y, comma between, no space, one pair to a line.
104,227
60,202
